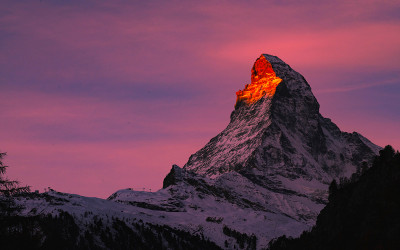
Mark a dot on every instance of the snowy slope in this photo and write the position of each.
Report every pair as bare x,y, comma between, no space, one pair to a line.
266,174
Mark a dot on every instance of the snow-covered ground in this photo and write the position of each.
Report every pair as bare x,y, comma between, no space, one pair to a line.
266,174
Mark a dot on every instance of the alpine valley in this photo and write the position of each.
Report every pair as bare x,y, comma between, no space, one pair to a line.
265,175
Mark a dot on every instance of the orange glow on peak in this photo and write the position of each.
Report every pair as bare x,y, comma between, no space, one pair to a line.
263,82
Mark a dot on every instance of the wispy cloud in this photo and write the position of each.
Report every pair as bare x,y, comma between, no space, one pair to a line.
360,86
125,87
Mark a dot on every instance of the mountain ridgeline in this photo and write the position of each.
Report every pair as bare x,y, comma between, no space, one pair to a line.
265,175
282,133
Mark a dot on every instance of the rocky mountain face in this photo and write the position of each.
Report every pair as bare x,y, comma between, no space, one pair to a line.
282,134
265,175
276,157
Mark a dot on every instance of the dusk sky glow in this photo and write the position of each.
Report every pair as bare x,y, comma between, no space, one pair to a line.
98,96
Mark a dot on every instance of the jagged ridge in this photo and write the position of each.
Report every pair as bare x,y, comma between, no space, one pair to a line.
265,175
282,129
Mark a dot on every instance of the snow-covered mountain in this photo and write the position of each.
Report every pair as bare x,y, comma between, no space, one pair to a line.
265,175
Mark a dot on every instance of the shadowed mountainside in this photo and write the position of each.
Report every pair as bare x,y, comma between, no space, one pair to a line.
265,175
362,213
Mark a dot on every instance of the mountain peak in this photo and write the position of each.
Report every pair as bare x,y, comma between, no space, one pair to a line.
276,127
263,82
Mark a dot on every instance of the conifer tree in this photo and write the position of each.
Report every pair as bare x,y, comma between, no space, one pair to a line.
8,188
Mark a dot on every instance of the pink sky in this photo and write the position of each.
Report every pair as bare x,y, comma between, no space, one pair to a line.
102,95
